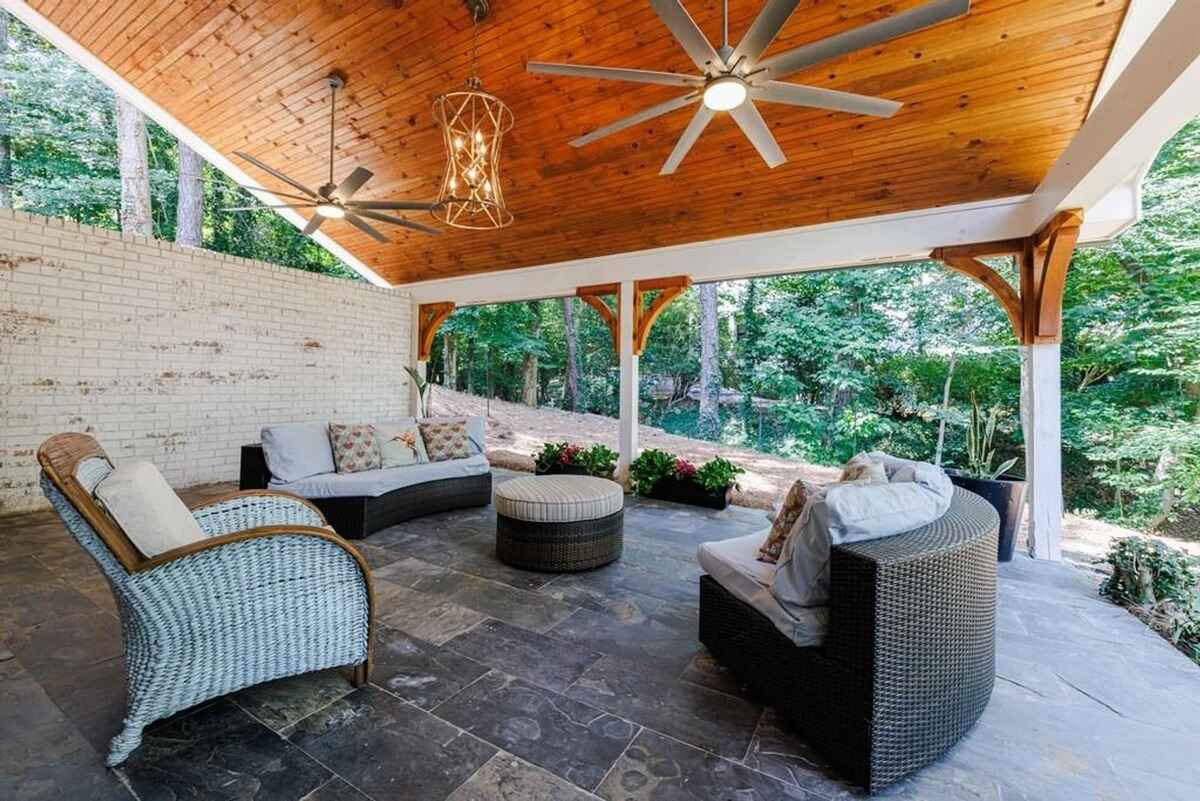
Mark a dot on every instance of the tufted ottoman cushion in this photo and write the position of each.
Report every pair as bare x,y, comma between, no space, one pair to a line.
559,523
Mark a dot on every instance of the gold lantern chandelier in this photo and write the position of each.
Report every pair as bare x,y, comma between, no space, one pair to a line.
473,125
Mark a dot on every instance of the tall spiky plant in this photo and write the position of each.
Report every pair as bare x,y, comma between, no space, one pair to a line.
422,386
981,430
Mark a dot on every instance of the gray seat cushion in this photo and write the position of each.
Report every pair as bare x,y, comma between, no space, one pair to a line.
373,483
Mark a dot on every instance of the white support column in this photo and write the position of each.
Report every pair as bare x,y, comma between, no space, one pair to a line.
628,437
414,401
1041,394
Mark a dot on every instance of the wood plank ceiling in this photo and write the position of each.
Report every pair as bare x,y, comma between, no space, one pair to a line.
989,102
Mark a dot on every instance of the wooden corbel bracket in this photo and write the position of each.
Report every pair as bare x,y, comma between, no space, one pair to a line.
431,316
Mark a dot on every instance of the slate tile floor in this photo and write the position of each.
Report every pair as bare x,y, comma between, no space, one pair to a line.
494,684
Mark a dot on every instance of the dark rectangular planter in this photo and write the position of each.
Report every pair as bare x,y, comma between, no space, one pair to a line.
672,489
564,470
1007,498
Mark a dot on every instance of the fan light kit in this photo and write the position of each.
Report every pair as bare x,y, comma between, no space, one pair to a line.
731,78
334,201
473,125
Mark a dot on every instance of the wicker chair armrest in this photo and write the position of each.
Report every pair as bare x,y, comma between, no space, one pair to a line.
247,509
220,541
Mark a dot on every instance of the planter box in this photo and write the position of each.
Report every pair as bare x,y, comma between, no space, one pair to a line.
564,470
672,489
1007,498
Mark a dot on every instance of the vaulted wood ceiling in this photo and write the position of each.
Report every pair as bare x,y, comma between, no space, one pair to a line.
989,102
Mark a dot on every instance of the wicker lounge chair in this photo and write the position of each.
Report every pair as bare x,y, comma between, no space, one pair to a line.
908,663
270,593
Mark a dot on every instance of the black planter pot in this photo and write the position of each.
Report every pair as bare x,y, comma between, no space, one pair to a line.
1008,499
672,489
564,470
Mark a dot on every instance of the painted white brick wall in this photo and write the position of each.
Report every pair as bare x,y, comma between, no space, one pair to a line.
176,355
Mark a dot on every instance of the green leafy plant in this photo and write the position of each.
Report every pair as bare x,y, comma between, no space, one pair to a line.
717,474
1160,585
597,460
649,468
422,386
981,431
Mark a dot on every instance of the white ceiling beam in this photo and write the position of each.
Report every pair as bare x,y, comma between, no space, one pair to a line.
876,240
1155,95
52,34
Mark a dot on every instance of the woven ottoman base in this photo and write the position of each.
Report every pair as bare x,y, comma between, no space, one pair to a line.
559,547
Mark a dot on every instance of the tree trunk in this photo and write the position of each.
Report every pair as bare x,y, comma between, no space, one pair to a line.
941,441
135,172
471,366
572,388
189,211
709,424
529,366
450,359
6,199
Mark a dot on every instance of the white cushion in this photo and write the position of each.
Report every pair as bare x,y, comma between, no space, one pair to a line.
373,483
147,509
733,564
558,499
917,493
394,448
297,450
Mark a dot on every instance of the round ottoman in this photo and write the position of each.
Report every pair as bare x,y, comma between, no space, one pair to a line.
559,523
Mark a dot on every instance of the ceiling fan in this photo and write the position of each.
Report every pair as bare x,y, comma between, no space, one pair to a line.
731,78
333,201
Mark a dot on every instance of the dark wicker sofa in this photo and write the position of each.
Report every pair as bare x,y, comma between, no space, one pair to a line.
355,518
908,662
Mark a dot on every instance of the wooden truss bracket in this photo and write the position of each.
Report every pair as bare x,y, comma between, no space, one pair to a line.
594,296
643,318
1035,311
431,316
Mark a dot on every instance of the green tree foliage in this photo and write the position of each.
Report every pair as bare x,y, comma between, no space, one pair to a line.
64,163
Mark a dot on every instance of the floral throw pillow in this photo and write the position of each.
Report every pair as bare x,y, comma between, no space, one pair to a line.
445,440
355,447
793,505
400,444
861,469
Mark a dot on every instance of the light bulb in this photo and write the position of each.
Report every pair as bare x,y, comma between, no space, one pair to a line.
478,136
725,94
458,143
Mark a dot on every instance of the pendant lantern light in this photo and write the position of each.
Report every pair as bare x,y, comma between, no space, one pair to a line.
473,125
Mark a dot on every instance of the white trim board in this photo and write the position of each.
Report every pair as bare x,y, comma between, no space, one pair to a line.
51,33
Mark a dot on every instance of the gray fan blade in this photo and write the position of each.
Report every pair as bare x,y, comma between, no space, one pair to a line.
795,95
313,225
634,119
688,138
763,30
866,36
271,206
684,29
387,218
614,74
357,222
277,174
253,189
756,130
398,205
352,183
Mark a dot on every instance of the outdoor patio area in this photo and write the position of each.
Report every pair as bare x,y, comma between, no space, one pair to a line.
494,683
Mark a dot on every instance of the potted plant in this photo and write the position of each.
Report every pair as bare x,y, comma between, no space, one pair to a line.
564,458
662,475
979,476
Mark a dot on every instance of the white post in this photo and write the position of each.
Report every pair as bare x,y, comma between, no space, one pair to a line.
1041,392
628,437
414,400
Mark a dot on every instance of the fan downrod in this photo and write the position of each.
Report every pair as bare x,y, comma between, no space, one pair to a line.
479,9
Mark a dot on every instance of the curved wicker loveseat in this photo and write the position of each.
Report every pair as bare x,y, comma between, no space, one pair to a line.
271,593
908,662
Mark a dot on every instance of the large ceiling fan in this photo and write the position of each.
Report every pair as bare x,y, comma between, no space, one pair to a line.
731,78
333,201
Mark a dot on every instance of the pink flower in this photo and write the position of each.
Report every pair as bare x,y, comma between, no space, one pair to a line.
684,468
568,454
